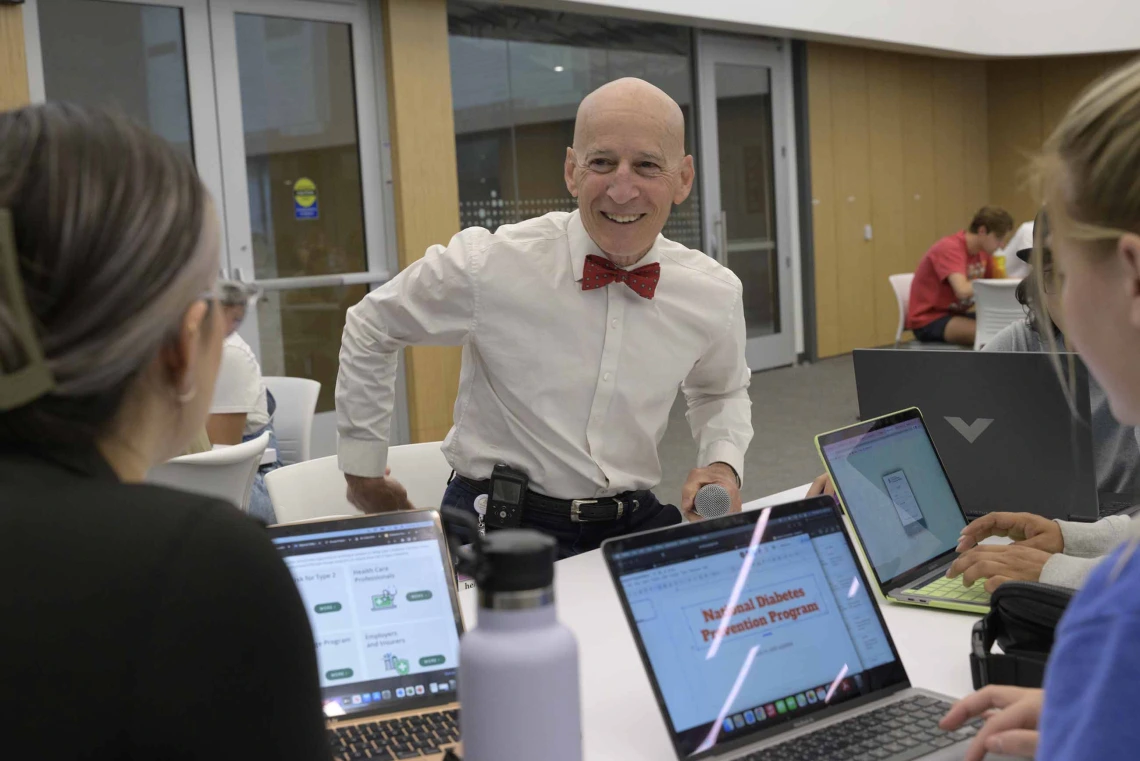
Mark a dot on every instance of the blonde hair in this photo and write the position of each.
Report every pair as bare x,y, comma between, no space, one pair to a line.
1088,176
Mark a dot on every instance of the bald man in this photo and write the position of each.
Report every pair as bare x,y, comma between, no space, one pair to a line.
577,330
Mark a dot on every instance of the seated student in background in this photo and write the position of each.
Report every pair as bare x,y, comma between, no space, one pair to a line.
1090,177
941,295
1054,552
139,622
243,408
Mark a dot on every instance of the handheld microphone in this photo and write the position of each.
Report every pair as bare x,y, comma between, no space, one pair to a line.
712,501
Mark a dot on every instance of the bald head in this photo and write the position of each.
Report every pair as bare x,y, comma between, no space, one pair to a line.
640,105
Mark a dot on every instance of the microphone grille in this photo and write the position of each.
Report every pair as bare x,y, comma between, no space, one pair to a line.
712,501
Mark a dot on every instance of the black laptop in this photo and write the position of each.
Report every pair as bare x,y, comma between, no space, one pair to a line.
763,642
1002,425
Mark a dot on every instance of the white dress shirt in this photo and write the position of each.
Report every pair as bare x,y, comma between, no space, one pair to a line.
573,387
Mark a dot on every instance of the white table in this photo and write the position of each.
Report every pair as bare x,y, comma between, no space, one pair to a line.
620,718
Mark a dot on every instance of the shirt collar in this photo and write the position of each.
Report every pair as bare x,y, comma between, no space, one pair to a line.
582,245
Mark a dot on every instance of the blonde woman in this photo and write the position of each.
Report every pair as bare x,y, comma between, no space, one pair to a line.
1089,176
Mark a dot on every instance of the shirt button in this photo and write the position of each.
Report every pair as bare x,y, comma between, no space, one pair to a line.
614,323
606,377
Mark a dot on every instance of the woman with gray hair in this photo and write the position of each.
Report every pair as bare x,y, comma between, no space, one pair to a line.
140,621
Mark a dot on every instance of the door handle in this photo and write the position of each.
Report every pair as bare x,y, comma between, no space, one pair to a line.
721,228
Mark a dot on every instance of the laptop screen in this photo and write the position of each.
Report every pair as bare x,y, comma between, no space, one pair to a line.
384,620
896,492
751,623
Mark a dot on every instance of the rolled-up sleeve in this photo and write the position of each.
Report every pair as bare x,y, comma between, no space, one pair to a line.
431,303
716,390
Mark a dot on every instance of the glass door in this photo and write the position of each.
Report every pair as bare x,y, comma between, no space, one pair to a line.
745,100
301,158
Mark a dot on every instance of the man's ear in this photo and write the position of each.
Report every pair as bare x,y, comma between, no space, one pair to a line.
685,187
1128,250
181,354
568,172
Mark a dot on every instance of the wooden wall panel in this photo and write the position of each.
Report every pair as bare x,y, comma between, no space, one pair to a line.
425,183
976,135
823,201
1026,99
951,111
855,266
907,139
919,223
13,66
885,106
1015,130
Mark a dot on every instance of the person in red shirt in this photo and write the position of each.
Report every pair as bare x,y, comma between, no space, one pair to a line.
941,295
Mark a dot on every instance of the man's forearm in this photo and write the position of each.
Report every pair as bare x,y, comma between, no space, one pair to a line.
365,397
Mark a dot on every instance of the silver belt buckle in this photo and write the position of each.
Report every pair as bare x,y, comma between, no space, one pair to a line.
576,509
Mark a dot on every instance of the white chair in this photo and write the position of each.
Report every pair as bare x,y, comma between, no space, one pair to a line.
293,420
226,473
423,471
316,489
997,306
901,285
307,490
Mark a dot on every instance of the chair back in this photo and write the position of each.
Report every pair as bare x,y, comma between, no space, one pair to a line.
293,420
997,306
423,471
901,285
226,473
317,489
307,490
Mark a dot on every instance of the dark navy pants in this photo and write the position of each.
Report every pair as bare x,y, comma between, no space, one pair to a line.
575,538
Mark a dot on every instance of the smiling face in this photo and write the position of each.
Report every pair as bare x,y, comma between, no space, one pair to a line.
628,166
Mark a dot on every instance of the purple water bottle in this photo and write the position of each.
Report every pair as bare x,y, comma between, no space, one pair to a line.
518,668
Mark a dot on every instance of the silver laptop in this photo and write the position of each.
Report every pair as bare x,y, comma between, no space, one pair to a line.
382,603
762,642
1002,426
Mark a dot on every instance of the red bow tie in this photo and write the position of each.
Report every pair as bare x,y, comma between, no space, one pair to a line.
599,272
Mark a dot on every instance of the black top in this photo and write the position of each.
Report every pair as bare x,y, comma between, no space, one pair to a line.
141,622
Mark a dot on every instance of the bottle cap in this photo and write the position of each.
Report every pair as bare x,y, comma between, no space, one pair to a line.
517,561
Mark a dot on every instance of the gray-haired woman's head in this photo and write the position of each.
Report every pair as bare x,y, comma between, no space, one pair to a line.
115,241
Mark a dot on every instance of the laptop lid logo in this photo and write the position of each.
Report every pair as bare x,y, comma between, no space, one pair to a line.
972,431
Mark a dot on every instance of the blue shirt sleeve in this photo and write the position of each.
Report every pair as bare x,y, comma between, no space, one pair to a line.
1094,668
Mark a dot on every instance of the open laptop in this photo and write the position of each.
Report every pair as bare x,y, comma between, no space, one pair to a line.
761,642
1002,425
903,508
381,599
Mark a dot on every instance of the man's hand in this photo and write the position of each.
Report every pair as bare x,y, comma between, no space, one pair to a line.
821,487
999,563
1024,528
1011,723
717,473
377,495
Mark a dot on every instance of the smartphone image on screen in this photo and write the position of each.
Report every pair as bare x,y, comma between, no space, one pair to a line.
902,497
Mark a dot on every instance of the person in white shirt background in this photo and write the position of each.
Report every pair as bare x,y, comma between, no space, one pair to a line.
1022,239
242,408
577,331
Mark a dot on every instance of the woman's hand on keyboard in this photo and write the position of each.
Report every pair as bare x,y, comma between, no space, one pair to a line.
1022,528
1011,715
997,564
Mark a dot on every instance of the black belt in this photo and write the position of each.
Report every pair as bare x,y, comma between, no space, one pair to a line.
576,510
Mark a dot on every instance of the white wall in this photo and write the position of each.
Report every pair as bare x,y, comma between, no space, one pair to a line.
962,27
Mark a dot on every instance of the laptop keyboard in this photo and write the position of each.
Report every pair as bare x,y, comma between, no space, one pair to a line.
1115,506
410,737
952,589
900,731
